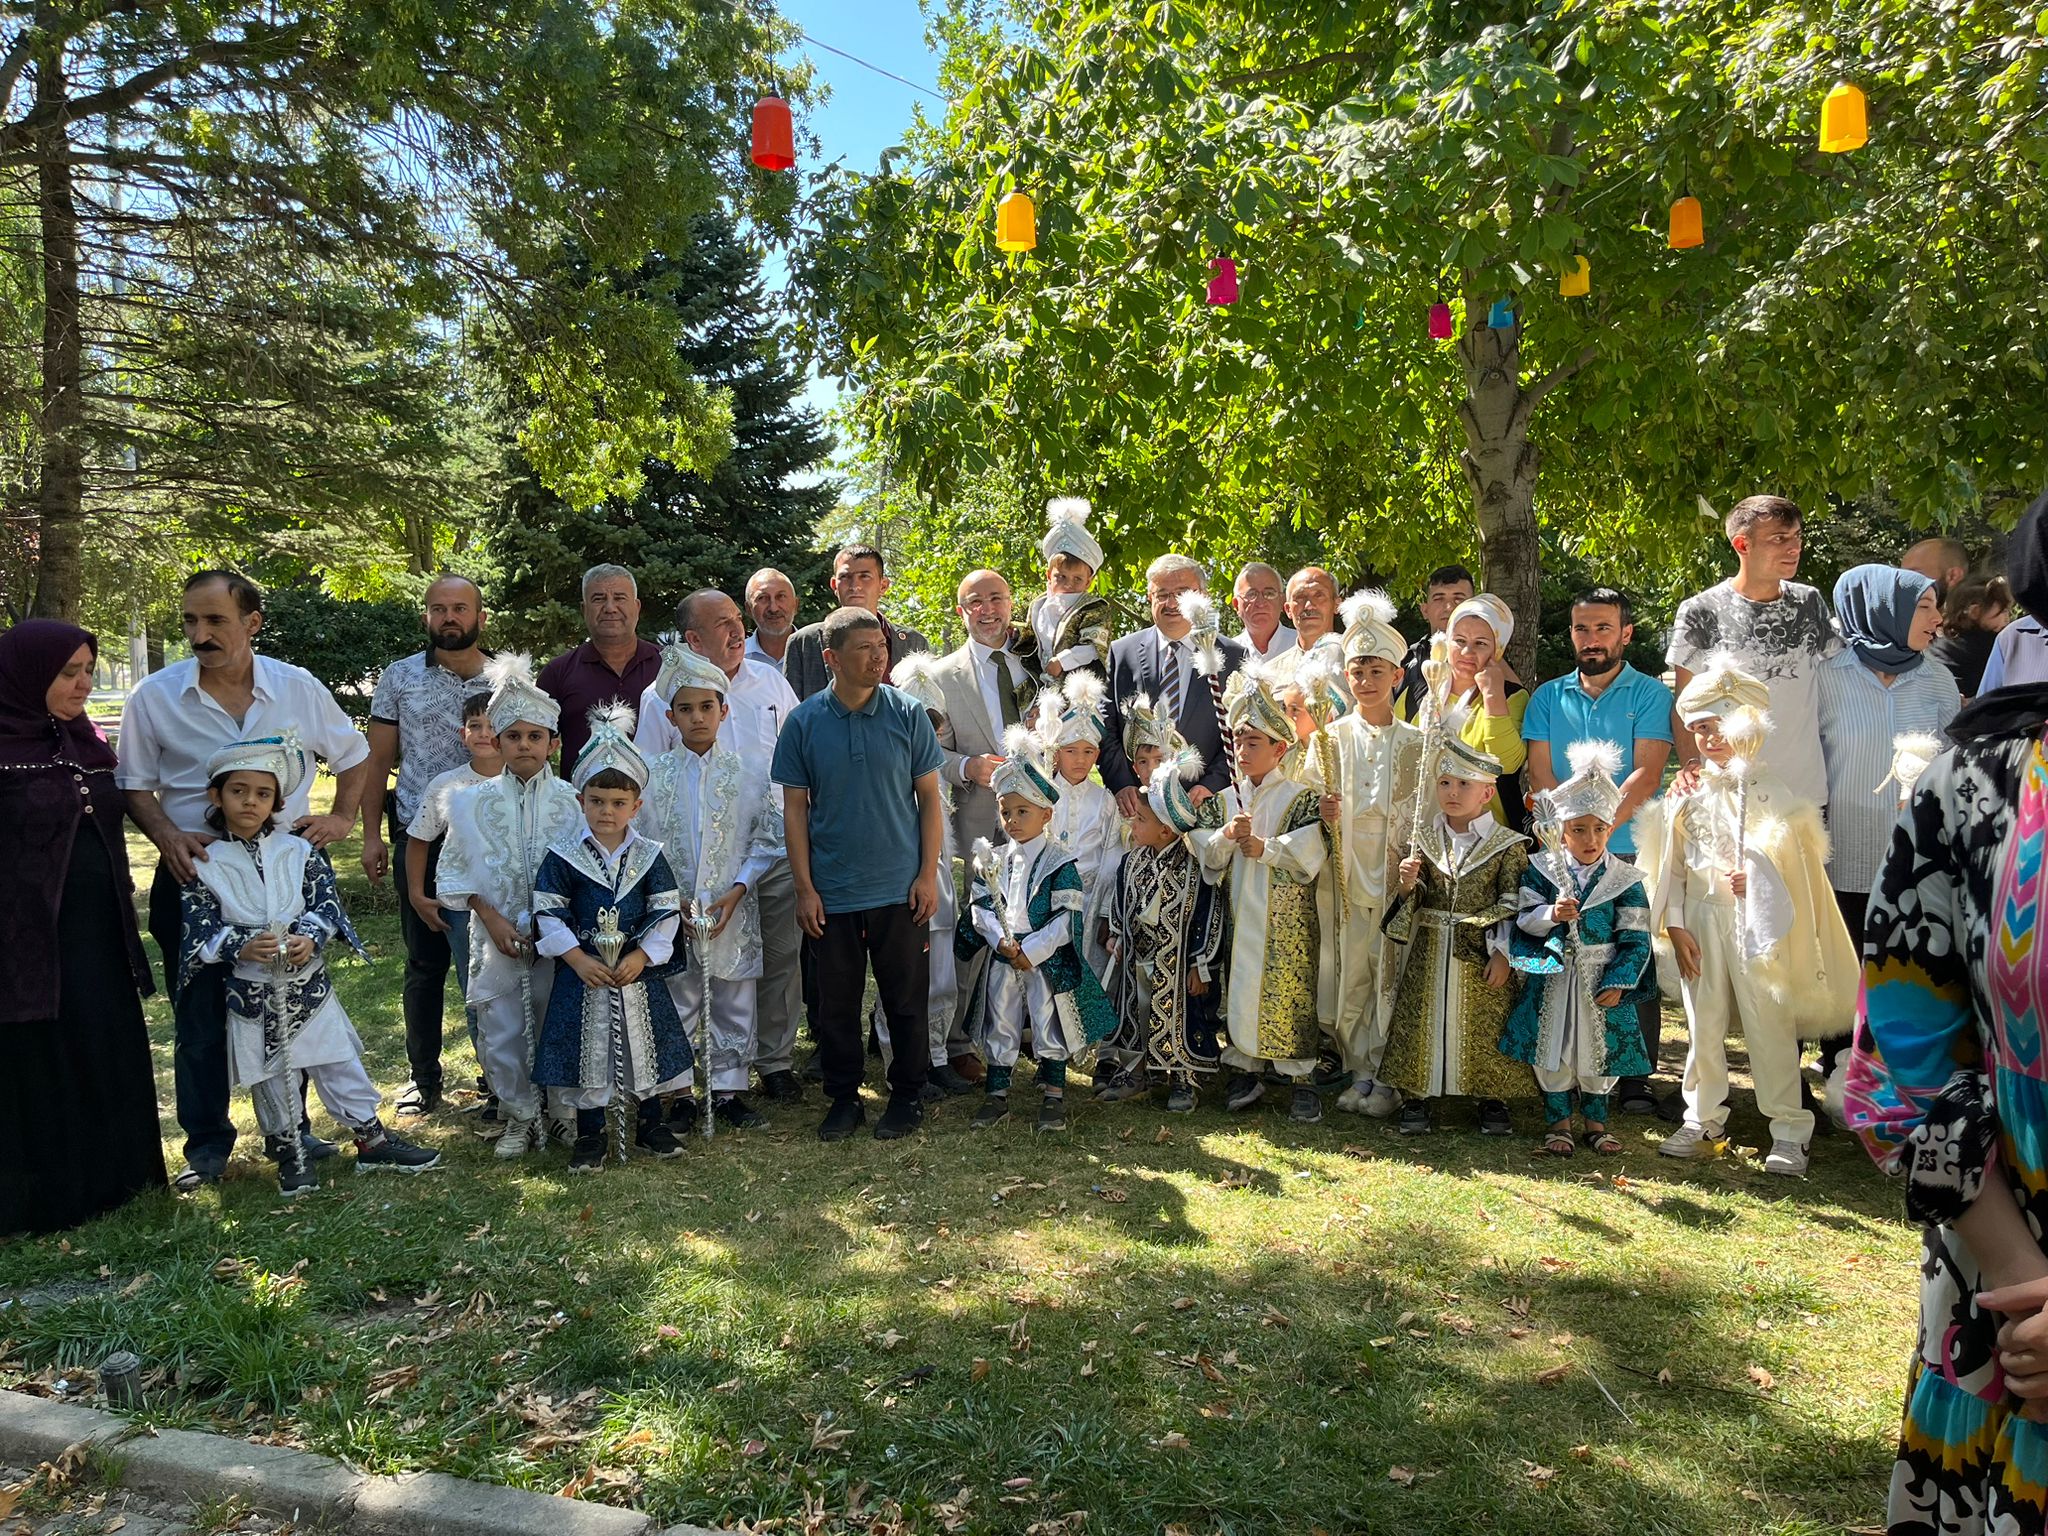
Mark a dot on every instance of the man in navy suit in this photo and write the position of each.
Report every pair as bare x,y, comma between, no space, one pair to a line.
1159,662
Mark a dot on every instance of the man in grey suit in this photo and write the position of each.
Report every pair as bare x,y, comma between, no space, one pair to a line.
858,581
1159,662
987,688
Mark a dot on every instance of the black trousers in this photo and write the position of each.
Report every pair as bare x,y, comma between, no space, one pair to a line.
1854,907
427,958
199,1051
888,941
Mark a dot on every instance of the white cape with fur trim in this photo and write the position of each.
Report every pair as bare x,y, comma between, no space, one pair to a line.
1799,951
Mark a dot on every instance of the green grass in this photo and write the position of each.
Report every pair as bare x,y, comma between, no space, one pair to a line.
1206,1323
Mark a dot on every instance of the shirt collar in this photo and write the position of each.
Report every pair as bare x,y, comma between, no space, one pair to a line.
838,705
590,840
983,652
260,677
1625,675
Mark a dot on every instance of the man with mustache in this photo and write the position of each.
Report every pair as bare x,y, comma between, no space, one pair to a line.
416,723
1312,605
771,604
1606,699
173,723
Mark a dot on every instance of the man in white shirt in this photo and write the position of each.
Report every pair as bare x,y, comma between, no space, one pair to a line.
771,604
174,721
758,701
987,689
1312,604
1258,598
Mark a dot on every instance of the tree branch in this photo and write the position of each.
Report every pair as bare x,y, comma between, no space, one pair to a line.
1563,373
1293,71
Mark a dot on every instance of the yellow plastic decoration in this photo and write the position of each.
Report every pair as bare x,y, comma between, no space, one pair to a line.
1844,120
1016,223
1577,280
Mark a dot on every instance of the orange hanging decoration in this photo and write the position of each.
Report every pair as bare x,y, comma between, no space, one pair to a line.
1844,120
1688,226
774,135
1016,223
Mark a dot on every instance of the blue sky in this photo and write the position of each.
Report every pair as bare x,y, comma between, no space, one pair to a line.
864,113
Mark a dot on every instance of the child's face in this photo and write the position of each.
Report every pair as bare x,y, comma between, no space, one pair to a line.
697,714
1148,831
609,812
1257,753
1585,837
1145,762
1064,574
1299,712
481,742
1076,760
1713,745
1463,799
247,799
526,746
1372,680
1024,819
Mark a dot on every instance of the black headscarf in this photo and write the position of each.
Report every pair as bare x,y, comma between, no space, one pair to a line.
31,655
2024,706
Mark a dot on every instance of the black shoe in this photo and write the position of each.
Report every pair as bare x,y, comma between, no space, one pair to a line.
198,1174
1493,1119
1671,1109
1329,1073
1125,1085
683,1115
948,1081
814,1069
1307,1108
392,1153
419,1099
1104,1073
658,1139
1632,1096
737,1114
1183,1099
488,1114
1052,1112
903,1116
842,1120
587,1156
1415,1118
995,1109
782,1087
294,1172
318,1148
1244,1090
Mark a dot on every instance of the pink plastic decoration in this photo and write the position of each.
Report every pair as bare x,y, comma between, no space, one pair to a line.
1223,286
1440,327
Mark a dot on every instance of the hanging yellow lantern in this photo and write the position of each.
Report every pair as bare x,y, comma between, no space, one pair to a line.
1688,227
1577,280
1844,120
1016,223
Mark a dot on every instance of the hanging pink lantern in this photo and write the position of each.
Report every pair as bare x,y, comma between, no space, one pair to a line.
1440,327
1223,285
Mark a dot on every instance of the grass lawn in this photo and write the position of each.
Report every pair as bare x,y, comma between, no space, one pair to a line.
1154,1323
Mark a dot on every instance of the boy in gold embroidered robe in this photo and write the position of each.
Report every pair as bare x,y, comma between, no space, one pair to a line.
1272,848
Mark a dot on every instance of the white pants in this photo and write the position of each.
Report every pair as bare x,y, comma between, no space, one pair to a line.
1233,1057
732,1023
1017,998
1362,1006
503,1046
942,989
1563,1079
569,1100
344,1087
1723,995
779,994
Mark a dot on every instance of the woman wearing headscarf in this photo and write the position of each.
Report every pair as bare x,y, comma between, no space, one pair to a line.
79,1129
1946,1086
1485,698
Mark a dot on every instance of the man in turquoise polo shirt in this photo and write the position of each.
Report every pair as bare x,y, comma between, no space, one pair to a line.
859,763
1606,699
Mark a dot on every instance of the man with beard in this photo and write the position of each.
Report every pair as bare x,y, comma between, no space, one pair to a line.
613,666
859,580
416,724
771,604
1606,699
173,723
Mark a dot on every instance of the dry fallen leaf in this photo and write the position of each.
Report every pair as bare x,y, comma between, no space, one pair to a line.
1664,1377
1015,1483
1538,1474
1172,1440
1763,1378
1555,1374
823,1439
979,1370
891,1339
753,1447
1402,1476
1560,1340
1582,1453
1161,1137
1273,1317
1182,1303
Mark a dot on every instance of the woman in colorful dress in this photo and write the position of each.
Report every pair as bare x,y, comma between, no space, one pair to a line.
1948,1085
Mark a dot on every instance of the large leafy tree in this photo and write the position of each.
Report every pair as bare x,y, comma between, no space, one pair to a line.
1875,319
683,529
256,230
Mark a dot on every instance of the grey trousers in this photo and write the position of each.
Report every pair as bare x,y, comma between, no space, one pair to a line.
779,994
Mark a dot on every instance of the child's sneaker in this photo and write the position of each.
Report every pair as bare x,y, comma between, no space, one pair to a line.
1415,1118
520,1137
1182,1099
737,1114
588,1154
1307,1108
995,1109
1052,1112
1352,1100
1692,1141
1244,1091
1786,1158
658,1140
1380,1101
387,1150
296,1178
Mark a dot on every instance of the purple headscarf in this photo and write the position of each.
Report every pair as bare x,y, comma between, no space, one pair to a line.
31,655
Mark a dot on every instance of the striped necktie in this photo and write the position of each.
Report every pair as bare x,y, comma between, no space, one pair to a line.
1169,682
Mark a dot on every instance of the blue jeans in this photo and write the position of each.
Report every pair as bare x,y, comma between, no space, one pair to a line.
458,946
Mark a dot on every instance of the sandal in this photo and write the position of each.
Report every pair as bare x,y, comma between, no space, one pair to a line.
1557,1141
1603,1141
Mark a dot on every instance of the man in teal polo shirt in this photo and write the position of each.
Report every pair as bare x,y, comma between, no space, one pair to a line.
1606,699
858,763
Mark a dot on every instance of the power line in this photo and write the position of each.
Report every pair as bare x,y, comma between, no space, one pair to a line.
854,58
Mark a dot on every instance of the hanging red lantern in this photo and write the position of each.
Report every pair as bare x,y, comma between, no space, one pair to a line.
1688,227
1440,326
1223,286
774,135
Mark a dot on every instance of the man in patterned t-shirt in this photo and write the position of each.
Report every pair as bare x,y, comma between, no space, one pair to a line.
1774,628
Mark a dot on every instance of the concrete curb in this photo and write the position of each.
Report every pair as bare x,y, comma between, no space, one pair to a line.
314,1491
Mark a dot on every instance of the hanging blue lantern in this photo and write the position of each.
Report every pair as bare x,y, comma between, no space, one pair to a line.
1502,316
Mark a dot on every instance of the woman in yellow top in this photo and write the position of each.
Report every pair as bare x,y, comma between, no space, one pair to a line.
1491,701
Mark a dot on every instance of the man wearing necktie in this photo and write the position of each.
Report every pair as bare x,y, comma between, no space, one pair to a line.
1159,663
987,689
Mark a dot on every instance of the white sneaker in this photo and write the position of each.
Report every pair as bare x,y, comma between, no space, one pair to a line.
1381,1100
1351,1101
1691,1140
1787,1158
521,1137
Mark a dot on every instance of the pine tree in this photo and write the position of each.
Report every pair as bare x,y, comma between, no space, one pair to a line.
682,531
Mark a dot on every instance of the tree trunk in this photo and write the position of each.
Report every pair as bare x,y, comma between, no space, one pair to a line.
60,535
1500,465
